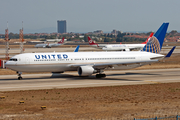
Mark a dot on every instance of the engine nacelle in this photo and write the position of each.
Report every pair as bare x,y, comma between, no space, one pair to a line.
85,70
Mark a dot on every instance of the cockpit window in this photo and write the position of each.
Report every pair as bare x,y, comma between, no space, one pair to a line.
13,59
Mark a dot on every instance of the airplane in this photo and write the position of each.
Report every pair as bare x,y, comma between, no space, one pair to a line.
120,47
126,47
50,45
88,63
91,43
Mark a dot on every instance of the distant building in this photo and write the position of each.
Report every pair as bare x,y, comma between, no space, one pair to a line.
61,26
114,32
178,40
81,36
98,32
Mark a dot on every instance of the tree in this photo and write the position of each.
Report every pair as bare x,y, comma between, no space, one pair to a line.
13,36
107,40
118,39
173,32
120,35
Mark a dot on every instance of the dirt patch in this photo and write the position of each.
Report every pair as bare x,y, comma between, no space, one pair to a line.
118,102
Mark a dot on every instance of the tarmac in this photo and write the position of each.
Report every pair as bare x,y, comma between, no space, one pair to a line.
72,80
15,51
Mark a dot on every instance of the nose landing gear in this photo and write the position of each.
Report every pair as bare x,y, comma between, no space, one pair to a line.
19,75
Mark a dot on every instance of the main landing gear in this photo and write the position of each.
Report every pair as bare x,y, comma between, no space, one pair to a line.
19,75
100,75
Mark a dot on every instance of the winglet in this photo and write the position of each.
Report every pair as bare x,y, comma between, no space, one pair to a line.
170,52
148,38
77,49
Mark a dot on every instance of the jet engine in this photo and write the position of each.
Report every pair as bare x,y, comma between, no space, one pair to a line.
85,70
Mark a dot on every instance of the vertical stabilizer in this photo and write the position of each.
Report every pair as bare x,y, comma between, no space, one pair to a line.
77,49
148,38
91,42
154,45
62,41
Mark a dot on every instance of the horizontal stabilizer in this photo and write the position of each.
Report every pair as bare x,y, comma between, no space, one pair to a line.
170,52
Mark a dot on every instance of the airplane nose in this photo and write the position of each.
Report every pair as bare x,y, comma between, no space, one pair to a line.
9,64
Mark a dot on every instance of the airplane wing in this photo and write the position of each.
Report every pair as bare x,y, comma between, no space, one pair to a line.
107,65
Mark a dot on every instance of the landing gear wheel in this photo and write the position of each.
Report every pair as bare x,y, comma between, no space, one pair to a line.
19,75
19,78
100,75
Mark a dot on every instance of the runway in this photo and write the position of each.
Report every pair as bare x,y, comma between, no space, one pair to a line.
165,49
59,49
72,80
15,51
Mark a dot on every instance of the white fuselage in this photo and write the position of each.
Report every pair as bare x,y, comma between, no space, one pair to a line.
126,47
47,45
100,46
119,47
68,61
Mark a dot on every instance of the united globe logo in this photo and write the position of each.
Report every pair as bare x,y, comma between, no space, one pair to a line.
152,45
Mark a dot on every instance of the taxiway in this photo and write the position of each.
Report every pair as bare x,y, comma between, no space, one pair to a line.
72,80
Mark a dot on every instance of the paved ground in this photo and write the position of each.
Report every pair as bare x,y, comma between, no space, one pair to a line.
71,49
15,51
72,80
91,98
95,103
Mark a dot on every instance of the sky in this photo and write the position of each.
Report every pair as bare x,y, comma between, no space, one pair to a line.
40,16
